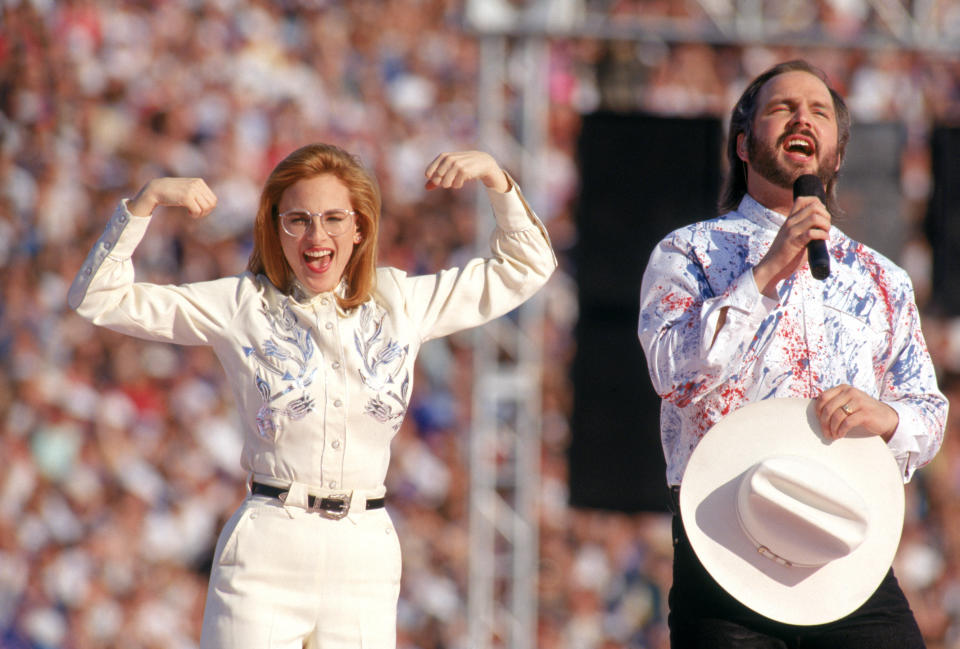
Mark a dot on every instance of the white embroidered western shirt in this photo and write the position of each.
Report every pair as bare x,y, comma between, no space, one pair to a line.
321,392
860,327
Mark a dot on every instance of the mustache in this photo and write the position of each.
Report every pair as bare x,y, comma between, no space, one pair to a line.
799,131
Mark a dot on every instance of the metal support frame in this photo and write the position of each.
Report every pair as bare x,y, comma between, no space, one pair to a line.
902,24
505,439
914,25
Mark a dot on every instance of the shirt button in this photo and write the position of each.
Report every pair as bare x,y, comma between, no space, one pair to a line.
337,403
336,443
333,484
329,325
335,365
324,302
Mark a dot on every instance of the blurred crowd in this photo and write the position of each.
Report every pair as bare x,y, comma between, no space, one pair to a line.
121,457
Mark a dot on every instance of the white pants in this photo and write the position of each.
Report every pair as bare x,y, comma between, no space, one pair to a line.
287,578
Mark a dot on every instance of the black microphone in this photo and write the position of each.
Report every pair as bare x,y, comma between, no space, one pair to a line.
810,185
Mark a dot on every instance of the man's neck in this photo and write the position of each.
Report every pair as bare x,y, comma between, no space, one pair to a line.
772,197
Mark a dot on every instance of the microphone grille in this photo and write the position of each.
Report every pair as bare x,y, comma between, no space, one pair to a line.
808,185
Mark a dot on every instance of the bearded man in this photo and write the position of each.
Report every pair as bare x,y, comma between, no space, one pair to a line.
730,314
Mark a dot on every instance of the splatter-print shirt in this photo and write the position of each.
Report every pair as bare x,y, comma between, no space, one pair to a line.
859,327
321,391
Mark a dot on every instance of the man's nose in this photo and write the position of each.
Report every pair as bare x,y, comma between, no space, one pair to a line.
802,116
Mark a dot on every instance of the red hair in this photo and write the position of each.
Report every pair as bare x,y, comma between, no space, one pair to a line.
310,161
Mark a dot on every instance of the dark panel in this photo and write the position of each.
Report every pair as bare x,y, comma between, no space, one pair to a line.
641,178
869,189
943,221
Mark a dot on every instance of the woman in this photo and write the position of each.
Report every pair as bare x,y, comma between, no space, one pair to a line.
318,345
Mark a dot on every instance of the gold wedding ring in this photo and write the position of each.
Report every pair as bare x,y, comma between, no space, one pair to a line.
846,409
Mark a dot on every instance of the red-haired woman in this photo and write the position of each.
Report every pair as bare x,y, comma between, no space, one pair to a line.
318,344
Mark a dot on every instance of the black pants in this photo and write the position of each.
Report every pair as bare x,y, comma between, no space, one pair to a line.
704,616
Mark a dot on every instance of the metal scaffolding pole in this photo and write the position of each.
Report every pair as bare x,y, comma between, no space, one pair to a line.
923,26
505,438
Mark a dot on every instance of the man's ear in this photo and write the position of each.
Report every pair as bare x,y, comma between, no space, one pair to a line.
742,146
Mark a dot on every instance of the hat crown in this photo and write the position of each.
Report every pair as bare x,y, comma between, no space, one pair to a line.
799,512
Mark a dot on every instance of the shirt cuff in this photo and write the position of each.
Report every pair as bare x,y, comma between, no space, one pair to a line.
119,239
131,226
744,295
902,443
510,209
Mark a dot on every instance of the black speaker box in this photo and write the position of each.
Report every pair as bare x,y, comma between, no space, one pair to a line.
642,176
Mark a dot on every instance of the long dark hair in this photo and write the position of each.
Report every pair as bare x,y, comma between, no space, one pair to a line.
741,121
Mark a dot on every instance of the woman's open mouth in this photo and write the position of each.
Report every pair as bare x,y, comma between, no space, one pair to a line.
318,260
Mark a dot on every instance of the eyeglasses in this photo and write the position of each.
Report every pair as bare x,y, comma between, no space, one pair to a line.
335,222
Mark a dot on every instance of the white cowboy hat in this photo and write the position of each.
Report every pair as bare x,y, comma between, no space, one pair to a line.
799,528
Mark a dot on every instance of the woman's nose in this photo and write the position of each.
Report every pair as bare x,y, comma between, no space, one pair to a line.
315,229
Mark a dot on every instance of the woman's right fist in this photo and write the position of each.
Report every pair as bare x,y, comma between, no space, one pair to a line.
192,194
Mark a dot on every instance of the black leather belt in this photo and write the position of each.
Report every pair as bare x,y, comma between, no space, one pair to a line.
334,506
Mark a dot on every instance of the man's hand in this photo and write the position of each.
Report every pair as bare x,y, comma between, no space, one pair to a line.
809,220
843,408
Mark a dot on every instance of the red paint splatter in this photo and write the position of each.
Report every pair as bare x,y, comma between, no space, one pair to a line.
879,276
673,302
796,352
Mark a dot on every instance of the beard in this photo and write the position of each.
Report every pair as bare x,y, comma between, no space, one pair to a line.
764,161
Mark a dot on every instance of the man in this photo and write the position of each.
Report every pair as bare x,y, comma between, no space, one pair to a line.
730,314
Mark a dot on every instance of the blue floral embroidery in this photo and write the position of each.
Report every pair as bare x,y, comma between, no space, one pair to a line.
384,368
290,348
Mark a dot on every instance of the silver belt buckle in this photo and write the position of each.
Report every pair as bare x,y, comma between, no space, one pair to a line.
340,502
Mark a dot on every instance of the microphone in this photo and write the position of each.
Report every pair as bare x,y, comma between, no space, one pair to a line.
819,259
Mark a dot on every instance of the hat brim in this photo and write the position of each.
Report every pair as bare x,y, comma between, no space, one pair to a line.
792,595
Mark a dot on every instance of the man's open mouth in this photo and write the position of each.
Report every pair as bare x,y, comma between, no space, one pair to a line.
799,144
